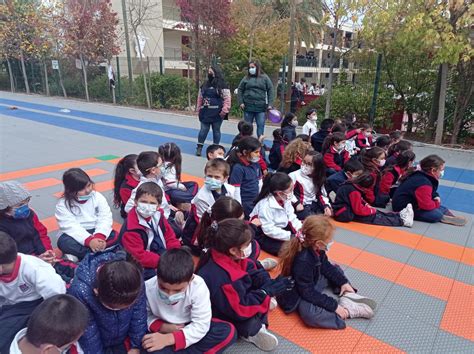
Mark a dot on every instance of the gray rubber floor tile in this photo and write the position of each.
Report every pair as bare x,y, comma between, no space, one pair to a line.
434,264
449,233
415,304
465,274
352,238
418,228
284,346
449,343
369,285
402,331
389,250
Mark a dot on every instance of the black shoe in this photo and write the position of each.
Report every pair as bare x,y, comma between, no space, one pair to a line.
199,150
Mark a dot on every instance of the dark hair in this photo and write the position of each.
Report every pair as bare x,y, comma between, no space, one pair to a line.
365,180
395,135
171,153
223,208
150,188
330,140
277,135
8,249
338,128
405,158
213,148
327,124
367,155
402,145
147,160
353,165
218,164
365,126
227,234
383,141
118,283
245,128
58,320
348,120
74,180
310,111
272,183
304,137
217,81
287,119
248,144
121,170
175,266
319,169
430,162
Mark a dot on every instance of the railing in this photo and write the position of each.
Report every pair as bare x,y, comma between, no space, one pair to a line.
311,62
173,54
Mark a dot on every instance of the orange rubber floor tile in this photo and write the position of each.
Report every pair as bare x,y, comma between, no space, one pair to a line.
42,183
468,256
186,177
376,265
441,248
96,172
399,237
368,344
50,223
458,315
366,229
99,187
344,254
282,323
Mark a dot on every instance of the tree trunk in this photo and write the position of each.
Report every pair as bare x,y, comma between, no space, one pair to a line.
291,56
197,58
328,92
410,122
23,69
189,86
84,74
429,132
46,82
465,88
145,83
10,73
61,83
442,103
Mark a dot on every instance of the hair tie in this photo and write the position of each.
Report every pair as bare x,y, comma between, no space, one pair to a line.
300,236
214,225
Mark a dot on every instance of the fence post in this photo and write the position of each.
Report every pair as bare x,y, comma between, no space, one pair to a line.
161,65
119,84
149,76
376,90
283,86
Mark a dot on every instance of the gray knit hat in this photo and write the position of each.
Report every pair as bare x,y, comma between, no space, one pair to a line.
12,193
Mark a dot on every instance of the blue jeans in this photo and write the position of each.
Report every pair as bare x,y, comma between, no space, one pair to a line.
216,132
432,216
259,117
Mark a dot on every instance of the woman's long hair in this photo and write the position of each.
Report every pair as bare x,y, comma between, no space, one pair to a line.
218,81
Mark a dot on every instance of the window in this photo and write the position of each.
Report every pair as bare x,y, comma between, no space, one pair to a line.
308,75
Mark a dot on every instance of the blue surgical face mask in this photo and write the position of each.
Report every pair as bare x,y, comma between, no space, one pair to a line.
212,183
22,212
171,299
84,198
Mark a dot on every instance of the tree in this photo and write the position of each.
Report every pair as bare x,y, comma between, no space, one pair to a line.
89,30
209,23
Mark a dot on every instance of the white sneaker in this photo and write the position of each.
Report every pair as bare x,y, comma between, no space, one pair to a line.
71,258
356,310
273,303
268,263
361,299
407,215
263,340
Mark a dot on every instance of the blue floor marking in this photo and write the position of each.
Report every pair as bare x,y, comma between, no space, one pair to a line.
457,198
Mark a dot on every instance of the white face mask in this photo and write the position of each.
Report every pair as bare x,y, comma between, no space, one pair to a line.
247,251
441,174
382,163
294,123
306,170
313,118
146,210
255,159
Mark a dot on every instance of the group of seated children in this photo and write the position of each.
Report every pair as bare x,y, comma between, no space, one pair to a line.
137,287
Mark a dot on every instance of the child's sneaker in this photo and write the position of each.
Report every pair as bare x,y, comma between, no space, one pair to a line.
361,299
268,263
273,303
356,310
454,220
407,215
71,258
263,340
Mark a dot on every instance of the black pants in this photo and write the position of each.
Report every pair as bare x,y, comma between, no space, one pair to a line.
381,218
69,245
311,209
268,244
13,318
250,327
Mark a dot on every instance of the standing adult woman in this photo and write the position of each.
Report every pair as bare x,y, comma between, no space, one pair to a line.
213,105
255,96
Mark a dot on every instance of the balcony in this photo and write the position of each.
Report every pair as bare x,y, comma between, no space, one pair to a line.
308,62
174,54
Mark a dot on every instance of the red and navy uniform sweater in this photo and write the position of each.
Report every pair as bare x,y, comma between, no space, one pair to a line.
30,235
351,133
246,175
419,189
334,159
350,203
361,141
134,238
126,188
372,191
276,153
234,287
390,177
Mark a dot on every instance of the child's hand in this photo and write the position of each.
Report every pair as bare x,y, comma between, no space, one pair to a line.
342,312
346,288
438,199
327,211
48,257
170,327
157,341
97,245
299,207
256,222
134,351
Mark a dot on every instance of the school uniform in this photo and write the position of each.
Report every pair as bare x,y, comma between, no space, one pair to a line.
372,193
177,191
420,189
146,240
314,201
31,237
279,223
334,181
276,154
363,142
31,281
313,272
246,178
391,160
235,293
125,191
390,178
203,201
309,128
318,138
335,160
288,132
15,348
200,334
107,329
295,166
351,206
83,223
164,203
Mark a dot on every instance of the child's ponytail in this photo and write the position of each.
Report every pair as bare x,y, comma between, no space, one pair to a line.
121,170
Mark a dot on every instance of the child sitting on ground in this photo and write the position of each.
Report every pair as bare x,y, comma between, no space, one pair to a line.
364,138
293,156
25,281
84,217
352,169
126,178
275,211
146,234
215,151
113,291
373,160
50,329
276,151
395,150
305,259
240,292
351,206
391,176
179,310
334,153
420,189
384,142
324,130
288,127
310,127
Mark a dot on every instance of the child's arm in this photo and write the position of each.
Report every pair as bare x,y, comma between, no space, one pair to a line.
332,273
424,198
131,201
103,226
125,195
170,179
359,206
138,323
43,242
330,163
46,281
133,244
386,182
199,101
68,224
226,102
270,229
169,235
236,178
